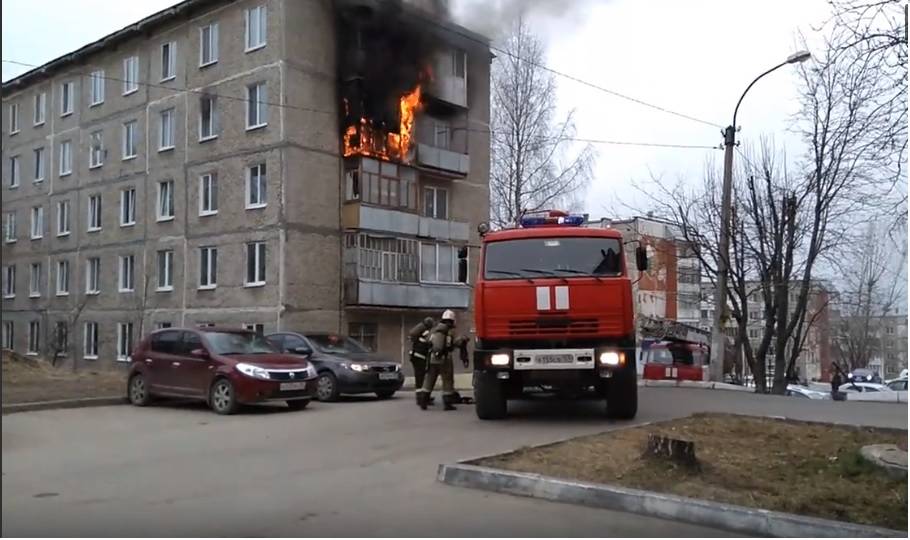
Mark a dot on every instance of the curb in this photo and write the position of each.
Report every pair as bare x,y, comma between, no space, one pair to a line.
750,521
62,404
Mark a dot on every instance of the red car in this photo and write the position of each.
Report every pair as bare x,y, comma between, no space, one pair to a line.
225,367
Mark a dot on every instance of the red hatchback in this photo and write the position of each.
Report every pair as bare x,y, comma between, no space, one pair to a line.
224,367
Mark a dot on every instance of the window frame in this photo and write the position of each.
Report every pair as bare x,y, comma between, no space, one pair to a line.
34,280
13,118
260,255
9,341
128,202
208,267
126,262
168,64
40,116
436,250
208,205
124,341
94,211
63,277
130,75
261,28
40,165
9,281
94,151
64,226
15,171
66,158
436,191
67,97
37,223
171,200
359,335
34,338
93,276
168,275
96,87
9,227
212,43
261,186
213,118
262,111
166,129
128,141
90,337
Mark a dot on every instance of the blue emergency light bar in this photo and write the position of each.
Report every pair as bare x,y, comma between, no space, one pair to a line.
552,220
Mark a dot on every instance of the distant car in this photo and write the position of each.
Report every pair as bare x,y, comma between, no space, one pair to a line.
903,374
863,387
864,375
225,367
803,392
897,384
343,364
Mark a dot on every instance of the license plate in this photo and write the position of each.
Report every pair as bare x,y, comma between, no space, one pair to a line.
293,386
388,376
555,359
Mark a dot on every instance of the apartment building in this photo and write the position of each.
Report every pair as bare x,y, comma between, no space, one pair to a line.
189,170
886,346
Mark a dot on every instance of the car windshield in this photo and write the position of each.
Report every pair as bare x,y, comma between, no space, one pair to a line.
545,257
333,344
239,343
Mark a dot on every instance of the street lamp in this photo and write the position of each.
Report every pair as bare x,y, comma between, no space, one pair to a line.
718,342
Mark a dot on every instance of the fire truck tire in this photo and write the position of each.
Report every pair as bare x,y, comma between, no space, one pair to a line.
622,396
489,397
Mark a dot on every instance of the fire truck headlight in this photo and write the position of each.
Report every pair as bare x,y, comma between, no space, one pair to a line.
610,358
500,359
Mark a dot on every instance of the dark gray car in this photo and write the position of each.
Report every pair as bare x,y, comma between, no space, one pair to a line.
344,365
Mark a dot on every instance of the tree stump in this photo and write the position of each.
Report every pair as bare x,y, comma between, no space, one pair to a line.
676,450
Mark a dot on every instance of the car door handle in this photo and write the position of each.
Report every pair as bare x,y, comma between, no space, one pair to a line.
175,364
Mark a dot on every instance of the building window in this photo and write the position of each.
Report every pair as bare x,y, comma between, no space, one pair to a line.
166,200
9,281
889,330
66,98
435,203
754,315
437,263
66,158
63,218
381,183
365,333
8,341
441,134
94,213
129,140
127,274
130,75
459,64
90,341
166,270
208,194
13,118
754,333
255,264
97,87
256,189
208,118
255,28
259,328
208,267
39,165
14,171
9,227
34,337
166,130
128,207
63,278
37,222
96,150
61,339
40,106
162,325
124,341
208,44
385,259
93,275
256,107
168,61
34,280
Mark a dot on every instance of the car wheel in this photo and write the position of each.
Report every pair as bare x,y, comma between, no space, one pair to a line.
298,404
138,391
622,394
385,394
489,397
222,398
327,387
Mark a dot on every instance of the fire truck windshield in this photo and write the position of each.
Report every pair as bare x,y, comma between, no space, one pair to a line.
544,257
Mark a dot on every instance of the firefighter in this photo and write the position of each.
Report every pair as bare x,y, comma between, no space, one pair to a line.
442,343
420,349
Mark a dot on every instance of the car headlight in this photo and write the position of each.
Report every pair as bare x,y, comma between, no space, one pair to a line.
359,367
397,367
611,358
253,371
310,371
500,359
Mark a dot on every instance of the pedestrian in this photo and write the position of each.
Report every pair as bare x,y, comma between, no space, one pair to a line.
420,349
442,344
836,381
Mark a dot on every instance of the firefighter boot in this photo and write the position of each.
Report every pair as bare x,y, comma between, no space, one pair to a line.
448,402
422,400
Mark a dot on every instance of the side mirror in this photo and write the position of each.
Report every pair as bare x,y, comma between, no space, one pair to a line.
641,259
202,354
463,265
301,350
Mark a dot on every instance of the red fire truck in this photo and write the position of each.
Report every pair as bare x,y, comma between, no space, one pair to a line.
675,351
553,315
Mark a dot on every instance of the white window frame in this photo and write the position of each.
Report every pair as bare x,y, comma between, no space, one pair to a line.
166,136
90,341
15,171
208,267
9,227
436,191
213,118
130,75
255,26
67,90
261,106
93,275
129,146
453,250
13,118
445,133
63,277
40,108
261,191
208,194
34,338
259,328
169,65
168,187
9,281
126,275
124,341
40,165
34,280
37,223
260,260
96,149
167,284
94,213
66,158
8,337
96,85
213,44
63,218
128,207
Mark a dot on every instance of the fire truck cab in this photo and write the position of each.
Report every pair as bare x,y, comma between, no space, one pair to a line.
675,360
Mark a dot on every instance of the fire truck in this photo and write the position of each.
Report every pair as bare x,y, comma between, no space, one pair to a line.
673,351
553,315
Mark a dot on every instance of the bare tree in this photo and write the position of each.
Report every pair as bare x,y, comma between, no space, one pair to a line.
531,165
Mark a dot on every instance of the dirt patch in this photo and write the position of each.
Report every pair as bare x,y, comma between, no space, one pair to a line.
26,379
788,466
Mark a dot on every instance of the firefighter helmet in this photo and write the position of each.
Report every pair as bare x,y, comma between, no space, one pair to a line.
448,315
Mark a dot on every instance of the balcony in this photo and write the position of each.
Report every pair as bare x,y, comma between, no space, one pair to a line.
362,292
359,216
442,159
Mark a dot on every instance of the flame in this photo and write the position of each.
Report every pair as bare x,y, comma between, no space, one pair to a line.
363,138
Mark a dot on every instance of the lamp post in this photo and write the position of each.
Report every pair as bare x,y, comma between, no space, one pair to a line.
718,341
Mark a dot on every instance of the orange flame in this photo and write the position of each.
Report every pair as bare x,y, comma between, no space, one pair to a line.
363,138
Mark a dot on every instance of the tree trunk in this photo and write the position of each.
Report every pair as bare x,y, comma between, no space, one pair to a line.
675,450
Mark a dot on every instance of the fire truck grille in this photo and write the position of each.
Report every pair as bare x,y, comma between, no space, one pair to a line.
535,327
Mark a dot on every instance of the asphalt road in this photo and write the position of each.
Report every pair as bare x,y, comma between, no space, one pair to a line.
356,468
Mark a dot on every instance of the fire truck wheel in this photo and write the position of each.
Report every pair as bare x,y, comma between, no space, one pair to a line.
622,396
489,397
